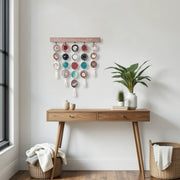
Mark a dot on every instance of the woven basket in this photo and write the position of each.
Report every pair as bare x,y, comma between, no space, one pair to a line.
36,171
173,171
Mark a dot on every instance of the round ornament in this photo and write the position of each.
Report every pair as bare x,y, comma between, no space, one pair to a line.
65,56
75,57
84,48
56,65
93,55
65,47
94,47
56,48
93,64
74,65
56,56
84,74
65,73
74,74
84,57
75,48
65,64
74,83
83,65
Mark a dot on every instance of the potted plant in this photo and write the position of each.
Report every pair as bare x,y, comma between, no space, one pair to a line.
130,77
121,98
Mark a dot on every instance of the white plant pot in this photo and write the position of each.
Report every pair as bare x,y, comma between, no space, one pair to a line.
120,103
131,100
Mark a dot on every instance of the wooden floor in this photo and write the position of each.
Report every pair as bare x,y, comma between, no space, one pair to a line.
91,175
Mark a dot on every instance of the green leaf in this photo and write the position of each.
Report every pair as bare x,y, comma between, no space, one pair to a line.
144,77
116,76
142,71
141,82
133,67
122,67
141,65
120,70
116,72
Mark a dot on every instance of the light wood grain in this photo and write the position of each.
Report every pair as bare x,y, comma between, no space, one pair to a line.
71,116
138,147
75,39
97,115
58,144
91,175
96,110
123,116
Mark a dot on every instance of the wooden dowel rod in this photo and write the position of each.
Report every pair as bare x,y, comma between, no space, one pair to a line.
75,39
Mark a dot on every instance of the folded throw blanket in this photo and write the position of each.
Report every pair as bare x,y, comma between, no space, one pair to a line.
45,153
163,156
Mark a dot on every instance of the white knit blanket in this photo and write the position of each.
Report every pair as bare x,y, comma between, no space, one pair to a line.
163,156
45,153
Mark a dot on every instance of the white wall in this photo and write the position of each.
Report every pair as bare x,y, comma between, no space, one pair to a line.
131,31
9,158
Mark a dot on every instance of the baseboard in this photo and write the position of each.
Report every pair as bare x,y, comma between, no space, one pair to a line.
7,172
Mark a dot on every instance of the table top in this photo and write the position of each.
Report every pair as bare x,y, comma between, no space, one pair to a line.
62,115
96,110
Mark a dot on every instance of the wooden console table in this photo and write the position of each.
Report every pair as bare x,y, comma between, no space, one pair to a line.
99,115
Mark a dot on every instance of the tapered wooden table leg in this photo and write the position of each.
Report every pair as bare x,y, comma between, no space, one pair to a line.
138,147
58,144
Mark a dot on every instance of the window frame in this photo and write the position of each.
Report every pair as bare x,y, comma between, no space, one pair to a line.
5,52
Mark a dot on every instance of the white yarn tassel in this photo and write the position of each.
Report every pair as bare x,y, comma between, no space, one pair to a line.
57,76
94,72
84,83
65,82
74,92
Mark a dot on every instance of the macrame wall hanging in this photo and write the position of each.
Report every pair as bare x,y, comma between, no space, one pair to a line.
73,57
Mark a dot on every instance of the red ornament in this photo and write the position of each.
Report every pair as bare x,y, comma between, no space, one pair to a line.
74,65
84,48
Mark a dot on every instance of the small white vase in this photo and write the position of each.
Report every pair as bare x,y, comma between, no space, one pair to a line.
131,100
65,105
120,103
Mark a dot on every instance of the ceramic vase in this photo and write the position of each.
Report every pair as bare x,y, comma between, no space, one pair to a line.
120,103
131,100
65,105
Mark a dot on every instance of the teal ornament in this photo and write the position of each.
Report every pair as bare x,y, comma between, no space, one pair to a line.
74,74
83,65
65,65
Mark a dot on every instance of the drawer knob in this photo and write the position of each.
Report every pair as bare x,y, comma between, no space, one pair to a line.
124,117
71,116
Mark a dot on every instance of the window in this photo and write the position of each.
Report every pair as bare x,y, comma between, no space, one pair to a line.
4,72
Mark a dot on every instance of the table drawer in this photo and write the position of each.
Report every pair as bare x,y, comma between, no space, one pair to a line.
52,116
123,116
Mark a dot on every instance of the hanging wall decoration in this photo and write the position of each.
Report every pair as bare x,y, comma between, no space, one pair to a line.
65,74
74,84
65,56
93,65
65,47
84,75
75,58
56,67
75,48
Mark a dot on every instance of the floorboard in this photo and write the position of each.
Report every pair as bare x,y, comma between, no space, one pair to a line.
90,175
